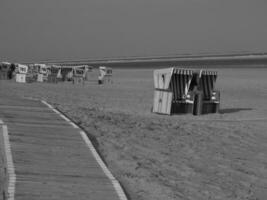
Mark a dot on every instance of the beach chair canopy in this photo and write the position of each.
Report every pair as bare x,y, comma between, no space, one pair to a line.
54,69
102,72
109,71
43,69
33,68
40,68
67,72
79,71
89,68
174,79
105,71
22,69
4,66
5,63
66,69
181,81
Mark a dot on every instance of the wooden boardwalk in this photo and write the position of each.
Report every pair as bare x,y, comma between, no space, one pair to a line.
51,159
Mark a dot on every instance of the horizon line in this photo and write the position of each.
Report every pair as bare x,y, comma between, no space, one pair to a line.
159,57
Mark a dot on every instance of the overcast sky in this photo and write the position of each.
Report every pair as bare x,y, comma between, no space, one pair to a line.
32,30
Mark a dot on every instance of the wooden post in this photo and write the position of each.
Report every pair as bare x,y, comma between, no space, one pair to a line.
198,104
217,106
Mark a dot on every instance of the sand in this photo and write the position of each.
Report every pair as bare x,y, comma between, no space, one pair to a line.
217,156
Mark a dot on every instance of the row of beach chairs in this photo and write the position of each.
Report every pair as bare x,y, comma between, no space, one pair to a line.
52,73
176,91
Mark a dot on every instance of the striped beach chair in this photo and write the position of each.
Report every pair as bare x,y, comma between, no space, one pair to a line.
185,91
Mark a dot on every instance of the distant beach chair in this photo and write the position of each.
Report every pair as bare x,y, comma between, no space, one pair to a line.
32,74
88,72
54,74
79,73
105,75
4,70
42,73
22,73
67,73
185,91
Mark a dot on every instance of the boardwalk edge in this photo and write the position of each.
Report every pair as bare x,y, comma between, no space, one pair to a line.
11,179
89,144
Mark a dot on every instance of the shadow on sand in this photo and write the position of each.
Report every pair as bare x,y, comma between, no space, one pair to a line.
233,110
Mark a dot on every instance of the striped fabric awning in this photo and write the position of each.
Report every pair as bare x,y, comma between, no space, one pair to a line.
180,83
182,71
212,73
78,72
55,69
207,83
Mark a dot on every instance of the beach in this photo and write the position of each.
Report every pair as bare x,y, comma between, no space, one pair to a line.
216,156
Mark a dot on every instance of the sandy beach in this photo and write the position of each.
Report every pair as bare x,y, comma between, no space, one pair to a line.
180,157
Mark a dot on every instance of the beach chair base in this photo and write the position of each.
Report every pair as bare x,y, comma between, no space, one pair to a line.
40,78
30,79
21,78
210,107
3,76
77,80
52,79
181,108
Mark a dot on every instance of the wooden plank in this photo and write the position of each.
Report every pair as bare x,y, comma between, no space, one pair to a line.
51,159
9,176
3,167
162,102
162,78
156,101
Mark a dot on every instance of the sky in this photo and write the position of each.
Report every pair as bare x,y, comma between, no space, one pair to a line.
35,30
